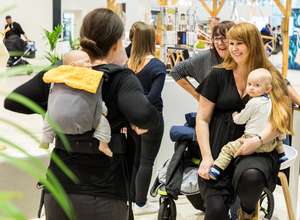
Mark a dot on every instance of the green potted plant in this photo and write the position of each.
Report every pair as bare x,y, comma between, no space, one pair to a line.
52,40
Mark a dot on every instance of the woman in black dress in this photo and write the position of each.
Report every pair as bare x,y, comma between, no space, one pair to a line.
221,94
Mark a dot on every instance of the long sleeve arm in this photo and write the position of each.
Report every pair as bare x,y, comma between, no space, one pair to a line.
35,89
135,105
157,86
242,117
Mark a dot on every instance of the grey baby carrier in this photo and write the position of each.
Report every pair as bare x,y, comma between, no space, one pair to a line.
75,110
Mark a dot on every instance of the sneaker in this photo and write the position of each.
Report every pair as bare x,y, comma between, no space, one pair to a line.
282,159
148,208
214,173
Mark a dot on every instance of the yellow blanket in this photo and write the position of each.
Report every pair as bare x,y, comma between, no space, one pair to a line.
75,77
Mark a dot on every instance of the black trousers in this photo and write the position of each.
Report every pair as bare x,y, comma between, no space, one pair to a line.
87,207
146,150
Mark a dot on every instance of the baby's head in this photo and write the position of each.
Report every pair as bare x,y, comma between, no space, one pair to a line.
259,82
77,58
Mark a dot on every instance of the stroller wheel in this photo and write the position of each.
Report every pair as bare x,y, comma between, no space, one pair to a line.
267,203
167,209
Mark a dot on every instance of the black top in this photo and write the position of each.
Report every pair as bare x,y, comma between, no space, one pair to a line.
15,29
98,174
220,88
152,78
128,50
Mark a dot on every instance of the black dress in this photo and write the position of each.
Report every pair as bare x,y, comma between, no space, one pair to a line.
220,88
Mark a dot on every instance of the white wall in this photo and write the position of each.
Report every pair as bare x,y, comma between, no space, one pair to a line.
81,8
33,15
137,10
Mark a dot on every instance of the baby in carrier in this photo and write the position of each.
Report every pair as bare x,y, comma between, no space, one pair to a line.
75,101
255,115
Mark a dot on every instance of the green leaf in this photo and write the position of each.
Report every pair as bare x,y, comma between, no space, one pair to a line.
10,212
36,108
51,183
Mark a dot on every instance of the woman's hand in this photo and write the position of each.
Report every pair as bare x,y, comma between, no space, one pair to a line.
138,131
204,167
248,147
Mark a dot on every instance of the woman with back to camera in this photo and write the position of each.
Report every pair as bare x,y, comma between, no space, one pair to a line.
151,72
101,192
200,65
222,93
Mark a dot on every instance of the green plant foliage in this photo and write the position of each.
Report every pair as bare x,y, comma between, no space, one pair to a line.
52,39
53,36
34,166
74,43
7,209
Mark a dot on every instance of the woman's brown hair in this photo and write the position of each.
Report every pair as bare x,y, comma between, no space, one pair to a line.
220,29
143,44
100,30
281,116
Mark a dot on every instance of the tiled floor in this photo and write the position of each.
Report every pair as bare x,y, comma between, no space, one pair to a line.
171,95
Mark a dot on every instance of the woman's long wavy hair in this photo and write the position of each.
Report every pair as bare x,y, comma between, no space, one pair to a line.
281,115
143,44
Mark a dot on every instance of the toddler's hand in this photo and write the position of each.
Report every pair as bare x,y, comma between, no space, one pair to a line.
234,114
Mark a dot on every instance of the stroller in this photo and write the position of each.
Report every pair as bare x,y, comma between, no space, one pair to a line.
19,49
179,176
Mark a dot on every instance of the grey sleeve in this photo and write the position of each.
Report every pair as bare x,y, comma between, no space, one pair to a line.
48,133
103,131
191,67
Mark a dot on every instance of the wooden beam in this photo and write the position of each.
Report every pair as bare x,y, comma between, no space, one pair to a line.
221,4
280,6
111,4
285,36
214,8
206,7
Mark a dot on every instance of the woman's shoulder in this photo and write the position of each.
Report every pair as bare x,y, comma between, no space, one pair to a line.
155,66
220,72
202,54
158,63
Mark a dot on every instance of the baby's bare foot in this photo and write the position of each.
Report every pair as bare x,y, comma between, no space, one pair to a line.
106,150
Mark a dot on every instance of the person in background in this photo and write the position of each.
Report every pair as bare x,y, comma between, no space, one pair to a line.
200,65
4,56
14,28
151,72
131,32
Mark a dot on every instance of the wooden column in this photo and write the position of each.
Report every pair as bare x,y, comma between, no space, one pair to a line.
216,7
111,4
286,12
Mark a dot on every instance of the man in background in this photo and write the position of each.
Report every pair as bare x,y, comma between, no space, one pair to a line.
14,28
